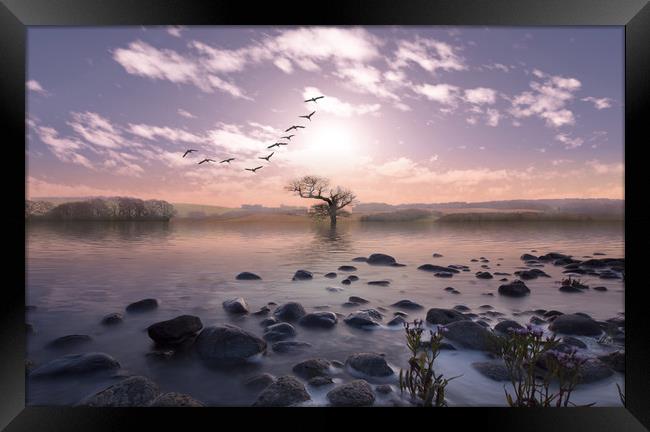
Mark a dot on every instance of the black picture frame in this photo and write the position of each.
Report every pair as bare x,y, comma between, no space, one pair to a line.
16,15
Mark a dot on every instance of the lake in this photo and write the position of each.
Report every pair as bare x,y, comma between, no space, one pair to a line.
77,272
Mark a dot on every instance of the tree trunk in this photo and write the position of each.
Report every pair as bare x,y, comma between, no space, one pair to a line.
332,211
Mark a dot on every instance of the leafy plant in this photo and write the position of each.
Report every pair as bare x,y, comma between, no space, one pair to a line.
523,352
420,380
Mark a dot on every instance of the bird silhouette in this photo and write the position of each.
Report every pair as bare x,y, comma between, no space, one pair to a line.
308,117
294,127
266,158
206,160
314,99
276,145
188,152
254,169
227,160
287,137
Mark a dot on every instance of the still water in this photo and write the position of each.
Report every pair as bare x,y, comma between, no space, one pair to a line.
78,272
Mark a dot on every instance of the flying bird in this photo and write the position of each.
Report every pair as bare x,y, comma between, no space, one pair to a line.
314,99
287,137
308,117
227,160
266,158
295,127
206,160
254,169
188,152
276,145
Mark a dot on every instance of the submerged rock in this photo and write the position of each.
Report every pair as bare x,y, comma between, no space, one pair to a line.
594,370
347,268
287,347
444,316
398,320
436,268
370,364
312,368
484,275
247,276
361,319
319,319
407,304
469,334
330,275
515,288
506,326
574,324
615,360
379,283
356,393
279,332
175,331
112,318
143,305
381,259
173,399
353,278
360,259
286,391
228,345
320,381
302,275
236,306
259,382
77,364
494,370
135,391
291,311
356,299
69,341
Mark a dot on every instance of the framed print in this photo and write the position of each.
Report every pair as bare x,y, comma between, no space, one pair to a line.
302,212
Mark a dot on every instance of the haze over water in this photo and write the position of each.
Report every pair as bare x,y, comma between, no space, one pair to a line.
78,272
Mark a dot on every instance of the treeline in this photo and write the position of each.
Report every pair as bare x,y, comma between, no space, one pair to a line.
117,209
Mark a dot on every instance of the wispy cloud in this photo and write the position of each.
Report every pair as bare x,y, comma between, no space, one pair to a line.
333,105
599,103
36,87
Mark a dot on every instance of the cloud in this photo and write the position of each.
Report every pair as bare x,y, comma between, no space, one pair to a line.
142,59
175,30
36,87
480,95
493,117
181,112
65,149
166,133
548,100
430,54
333,105
442,93
599,103
96,130
603,168
558,162
569,143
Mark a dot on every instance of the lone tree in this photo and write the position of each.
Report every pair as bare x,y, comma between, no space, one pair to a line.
319,188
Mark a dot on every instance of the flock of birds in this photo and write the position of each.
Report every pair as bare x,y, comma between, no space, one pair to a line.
277,144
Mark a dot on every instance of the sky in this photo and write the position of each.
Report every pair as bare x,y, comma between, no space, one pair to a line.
409,114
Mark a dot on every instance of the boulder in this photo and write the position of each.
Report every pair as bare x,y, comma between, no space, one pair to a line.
380,259
506,326
279,332
357,393
228,345
319,320
355,299
494,370
379,283
515,288
407,304
594,370
77,364
384,388
444,316
259,382
436,268
484,275
370,364
143,305
615,360
264,310
437,255
135,391
302,275
69,341
320,381
397,321
469,335
574,324
285,391
291,311
347,268
528,257
353,278
312,368
173,399
346,282
361,319
112,318
330,275
288,347
175,331
443,274
247,276
574,342
268,321
360,259
236,306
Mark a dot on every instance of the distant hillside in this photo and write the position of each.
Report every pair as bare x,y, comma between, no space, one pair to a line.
406,215
521,217
105,209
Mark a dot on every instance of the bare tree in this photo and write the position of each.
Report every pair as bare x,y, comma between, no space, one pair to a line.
335,199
